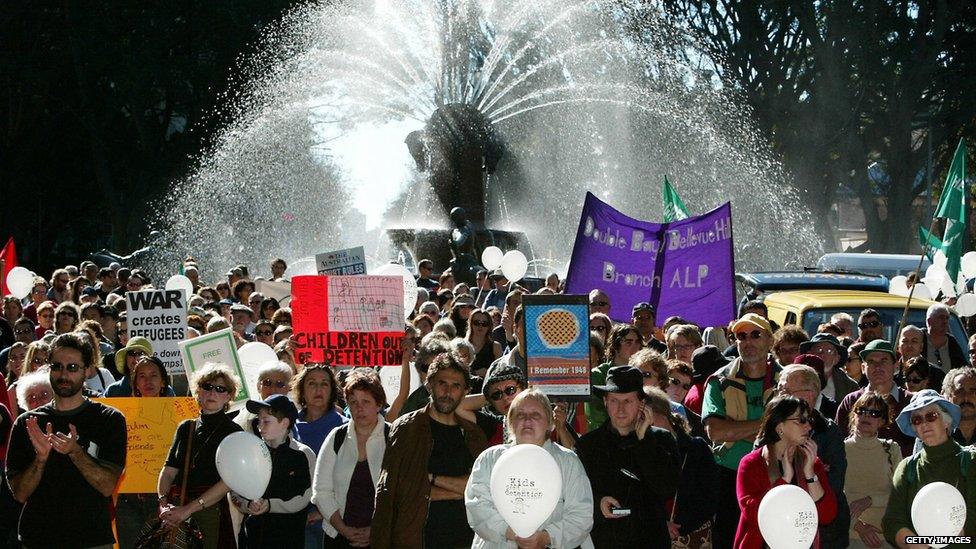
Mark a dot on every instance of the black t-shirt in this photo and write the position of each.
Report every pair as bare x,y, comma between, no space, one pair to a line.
210,431
447,523
65,510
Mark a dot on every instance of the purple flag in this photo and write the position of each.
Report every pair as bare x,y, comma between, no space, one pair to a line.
682,268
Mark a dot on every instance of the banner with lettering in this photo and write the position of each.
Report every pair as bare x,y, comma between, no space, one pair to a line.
150,424
160,317
683,268
348,321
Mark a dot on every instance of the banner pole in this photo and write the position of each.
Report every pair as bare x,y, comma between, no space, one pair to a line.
911,291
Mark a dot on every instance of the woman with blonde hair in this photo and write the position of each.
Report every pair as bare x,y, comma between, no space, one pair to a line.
214,387
530,419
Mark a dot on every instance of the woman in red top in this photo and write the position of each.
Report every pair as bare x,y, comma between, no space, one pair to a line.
785,454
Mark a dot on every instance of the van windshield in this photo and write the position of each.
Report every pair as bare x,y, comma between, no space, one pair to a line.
890,318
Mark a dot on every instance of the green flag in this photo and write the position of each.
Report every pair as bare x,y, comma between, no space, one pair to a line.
674,208
952,207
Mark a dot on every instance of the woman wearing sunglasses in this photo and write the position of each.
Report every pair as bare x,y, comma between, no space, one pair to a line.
784,454
871,461
478,334
931,418
205,500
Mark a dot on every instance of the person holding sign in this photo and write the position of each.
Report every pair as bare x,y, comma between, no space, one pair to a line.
633,467
930,417
531,420
785,454
213,386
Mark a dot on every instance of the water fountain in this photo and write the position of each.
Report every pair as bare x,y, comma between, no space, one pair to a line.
511,109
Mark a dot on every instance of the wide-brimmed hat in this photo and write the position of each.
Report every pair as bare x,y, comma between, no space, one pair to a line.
876,346
622,379
825,338
923,398
752,319
706,360
137,342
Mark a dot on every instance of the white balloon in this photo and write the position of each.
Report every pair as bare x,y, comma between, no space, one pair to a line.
525,487
788,518
940,258
897,286
922,291
180,282
390,378
409,284
934,275
948,289
514,265
966,305
491,258
254,355
968,264
938,510
244,464
20,282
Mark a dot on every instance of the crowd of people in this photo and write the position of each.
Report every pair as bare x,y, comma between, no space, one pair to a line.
686,430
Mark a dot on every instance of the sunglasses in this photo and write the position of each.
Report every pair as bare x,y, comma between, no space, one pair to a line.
802,420
508,391
869,324
269,383
481,323
677,382
70,368
742,336
136,353
915,380
925,418
869,412
24,331
599,303
263,333
600,328
215,388
827,351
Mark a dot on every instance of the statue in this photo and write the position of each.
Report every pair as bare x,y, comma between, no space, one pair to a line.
463,246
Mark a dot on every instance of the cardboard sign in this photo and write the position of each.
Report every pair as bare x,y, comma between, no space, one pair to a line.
348,321
557,344
216,347
150,425
160,317
277,289
351,261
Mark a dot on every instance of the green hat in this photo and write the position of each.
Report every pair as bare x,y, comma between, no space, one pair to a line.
878,346
137,342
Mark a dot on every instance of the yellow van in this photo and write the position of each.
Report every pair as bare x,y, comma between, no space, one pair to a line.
811,308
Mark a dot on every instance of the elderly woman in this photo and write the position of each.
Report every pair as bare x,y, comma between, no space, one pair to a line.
530,418
349,463
34,359
784,454
871,462
683,339
931,418
274,378
213,386
34,390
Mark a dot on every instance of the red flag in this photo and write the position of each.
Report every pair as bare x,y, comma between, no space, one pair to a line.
9,257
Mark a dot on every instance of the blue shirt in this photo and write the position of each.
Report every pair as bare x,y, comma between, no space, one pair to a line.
313,433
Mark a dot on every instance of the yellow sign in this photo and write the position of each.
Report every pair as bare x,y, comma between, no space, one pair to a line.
150,425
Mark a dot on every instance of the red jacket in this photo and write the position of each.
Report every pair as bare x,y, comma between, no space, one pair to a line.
752,483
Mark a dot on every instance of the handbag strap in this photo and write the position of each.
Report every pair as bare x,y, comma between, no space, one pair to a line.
186,463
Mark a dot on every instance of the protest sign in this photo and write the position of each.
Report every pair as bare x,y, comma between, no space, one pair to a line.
216,347
683,268
160,317
150,424
351,261
557,344
348,321
390,378
277,289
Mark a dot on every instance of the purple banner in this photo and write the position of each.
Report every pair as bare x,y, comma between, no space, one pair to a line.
683,268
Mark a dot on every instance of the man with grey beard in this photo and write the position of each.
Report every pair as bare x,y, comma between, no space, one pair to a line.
959,387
